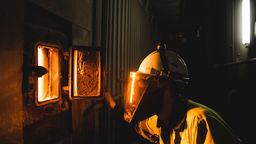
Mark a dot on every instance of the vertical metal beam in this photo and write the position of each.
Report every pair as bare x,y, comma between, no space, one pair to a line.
122,45
126,38
119,48
110,49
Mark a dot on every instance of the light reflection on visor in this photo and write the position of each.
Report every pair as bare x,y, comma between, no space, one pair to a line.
133,74
137,86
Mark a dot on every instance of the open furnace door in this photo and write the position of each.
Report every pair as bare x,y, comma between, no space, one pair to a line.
85,74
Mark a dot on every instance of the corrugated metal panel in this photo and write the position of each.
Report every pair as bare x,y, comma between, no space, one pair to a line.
127,37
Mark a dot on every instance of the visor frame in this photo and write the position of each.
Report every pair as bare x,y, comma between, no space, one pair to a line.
140,82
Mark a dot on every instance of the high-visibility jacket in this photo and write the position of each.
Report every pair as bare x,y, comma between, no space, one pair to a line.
199,125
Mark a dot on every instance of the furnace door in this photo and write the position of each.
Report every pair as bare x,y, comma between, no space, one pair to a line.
85,73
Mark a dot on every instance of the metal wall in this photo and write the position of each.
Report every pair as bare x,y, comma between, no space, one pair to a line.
11,59
128,36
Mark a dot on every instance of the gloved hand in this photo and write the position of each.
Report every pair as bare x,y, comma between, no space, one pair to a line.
109,99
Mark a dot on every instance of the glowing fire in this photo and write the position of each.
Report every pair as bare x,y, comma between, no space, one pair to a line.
75,71
48,84
133,75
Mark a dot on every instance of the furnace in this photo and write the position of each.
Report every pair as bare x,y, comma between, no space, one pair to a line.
46,108
55,73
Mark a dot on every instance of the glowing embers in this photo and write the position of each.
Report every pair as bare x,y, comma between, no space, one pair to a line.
86,73
48,84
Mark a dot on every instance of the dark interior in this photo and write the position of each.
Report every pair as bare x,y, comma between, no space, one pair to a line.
206,33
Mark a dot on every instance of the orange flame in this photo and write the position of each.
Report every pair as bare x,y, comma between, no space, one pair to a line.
41,80
48,84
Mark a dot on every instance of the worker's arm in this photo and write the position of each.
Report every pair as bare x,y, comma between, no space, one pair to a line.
117,111
127,130
109,100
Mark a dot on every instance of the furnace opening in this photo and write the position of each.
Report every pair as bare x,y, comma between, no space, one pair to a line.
48,84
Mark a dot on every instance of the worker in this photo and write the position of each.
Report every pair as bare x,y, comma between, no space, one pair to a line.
159,111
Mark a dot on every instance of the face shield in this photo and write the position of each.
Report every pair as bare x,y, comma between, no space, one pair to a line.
139,85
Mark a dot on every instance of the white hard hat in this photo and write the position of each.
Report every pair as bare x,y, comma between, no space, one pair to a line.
158,64
152,64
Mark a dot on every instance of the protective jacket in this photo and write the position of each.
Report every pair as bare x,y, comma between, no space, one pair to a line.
200,124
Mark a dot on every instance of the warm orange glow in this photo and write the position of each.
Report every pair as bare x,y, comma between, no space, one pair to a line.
75,72
86,73
133,75
41,80
158,46
48,84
